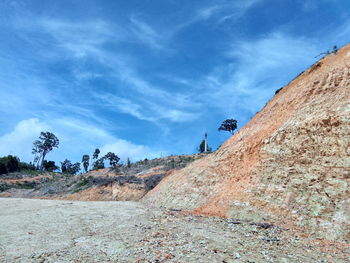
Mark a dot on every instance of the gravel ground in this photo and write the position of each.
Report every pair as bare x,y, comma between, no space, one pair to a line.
65,231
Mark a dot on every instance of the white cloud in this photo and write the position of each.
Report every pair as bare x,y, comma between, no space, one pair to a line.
76,138
174,115
125,149
19,141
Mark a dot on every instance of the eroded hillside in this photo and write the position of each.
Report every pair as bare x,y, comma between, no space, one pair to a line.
123,183
290,164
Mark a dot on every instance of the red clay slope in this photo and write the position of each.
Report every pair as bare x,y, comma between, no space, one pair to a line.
290,163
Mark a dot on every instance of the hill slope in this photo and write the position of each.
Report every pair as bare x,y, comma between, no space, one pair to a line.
290,163
124,183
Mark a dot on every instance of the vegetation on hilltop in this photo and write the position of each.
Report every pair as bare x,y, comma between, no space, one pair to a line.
47,141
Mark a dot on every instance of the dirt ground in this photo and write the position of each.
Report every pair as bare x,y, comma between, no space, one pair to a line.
73,231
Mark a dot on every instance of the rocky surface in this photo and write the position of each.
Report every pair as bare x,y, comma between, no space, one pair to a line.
290,164
72,231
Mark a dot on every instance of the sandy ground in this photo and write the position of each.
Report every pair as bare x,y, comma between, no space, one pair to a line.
67,231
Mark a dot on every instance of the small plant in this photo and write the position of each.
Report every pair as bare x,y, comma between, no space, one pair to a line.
334,51
278,90
26,185
4,187
82,184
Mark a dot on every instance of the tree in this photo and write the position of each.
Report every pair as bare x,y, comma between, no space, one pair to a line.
201,147
46,142
27,166
65,166
3,168
228,125
35,151
95,163
113,159
204,147
96,153
335,49
75,168
12,164
85,160
99,164
49,166
69,168
128,162
9,164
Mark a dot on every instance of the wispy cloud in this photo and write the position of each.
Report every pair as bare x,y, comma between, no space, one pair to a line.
81,38
224,10
147,34
152,93
124,105
146,110
86,41
255,69
171,66
309,5
342,33
207,12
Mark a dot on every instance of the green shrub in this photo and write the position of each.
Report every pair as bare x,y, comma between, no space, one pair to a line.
26,166
9,164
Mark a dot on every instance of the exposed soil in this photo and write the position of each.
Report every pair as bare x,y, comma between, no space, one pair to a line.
122,183
72,231
291,162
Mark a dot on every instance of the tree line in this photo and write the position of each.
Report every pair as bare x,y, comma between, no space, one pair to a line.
47,141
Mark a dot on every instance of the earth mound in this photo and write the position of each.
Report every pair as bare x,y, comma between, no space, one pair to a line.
290,164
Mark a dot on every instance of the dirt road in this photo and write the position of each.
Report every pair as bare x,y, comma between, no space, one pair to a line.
66,231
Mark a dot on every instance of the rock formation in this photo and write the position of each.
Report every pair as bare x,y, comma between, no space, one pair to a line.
290,164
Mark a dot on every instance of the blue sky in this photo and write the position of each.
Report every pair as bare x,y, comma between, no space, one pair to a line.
149,78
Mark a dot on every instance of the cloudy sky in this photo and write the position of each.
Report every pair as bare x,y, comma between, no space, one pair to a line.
149,78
